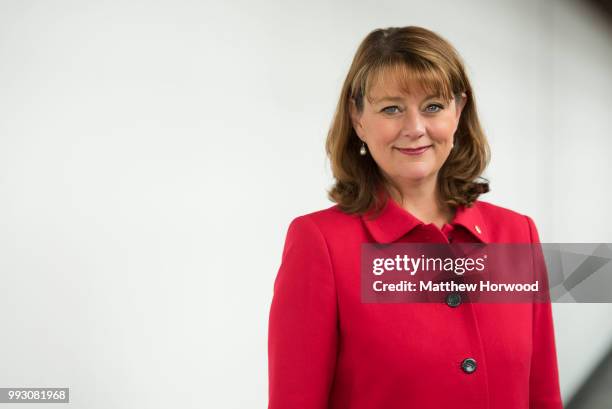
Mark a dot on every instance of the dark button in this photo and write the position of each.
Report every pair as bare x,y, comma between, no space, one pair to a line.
468,365
450,239
453,300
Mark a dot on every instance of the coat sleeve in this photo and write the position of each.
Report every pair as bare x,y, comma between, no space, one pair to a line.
544,392
302,327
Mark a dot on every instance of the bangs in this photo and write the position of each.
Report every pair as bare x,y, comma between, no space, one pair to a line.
409,76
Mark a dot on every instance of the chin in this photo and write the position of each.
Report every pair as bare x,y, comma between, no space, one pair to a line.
417,174
419,178
415,177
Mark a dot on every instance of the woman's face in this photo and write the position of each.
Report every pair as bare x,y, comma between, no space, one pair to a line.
408,135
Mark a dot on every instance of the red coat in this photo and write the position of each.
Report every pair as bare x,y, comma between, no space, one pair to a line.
327,349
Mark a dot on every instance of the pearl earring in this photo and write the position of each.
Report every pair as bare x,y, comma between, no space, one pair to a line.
363,151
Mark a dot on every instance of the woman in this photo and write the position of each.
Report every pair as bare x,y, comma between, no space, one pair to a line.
407,152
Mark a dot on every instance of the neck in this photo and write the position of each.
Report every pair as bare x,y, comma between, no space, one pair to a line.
422,200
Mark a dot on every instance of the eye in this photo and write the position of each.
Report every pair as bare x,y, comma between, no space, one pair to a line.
385,110
440,108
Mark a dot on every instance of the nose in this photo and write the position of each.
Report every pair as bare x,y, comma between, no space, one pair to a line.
413,125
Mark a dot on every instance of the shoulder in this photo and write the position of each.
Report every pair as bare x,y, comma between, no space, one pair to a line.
319,235
326,223
506,224
330,217
491,210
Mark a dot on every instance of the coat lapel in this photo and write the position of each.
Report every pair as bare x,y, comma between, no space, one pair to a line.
394,221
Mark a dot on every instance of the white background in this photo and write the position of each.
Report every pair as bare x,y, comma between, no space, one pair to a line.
153,153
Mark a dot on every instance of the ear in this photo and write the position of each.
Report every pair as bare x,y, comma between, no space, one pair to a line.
460,104
356,119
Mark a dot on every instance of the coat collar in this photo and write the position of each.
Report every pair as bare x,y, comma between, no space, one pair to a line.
394,221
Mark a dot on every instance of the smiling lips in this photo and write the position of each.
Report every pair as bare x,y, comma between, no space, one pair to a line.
414,151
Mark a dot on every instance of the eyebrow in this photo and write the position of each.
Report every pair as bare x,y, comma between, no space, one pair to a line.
396,98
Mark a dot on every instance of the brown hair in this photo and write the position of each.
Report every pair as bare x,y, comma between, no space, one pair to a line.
406,53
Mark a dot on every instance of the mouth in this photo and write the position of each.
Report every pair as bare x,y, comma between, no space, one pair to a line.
414,151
